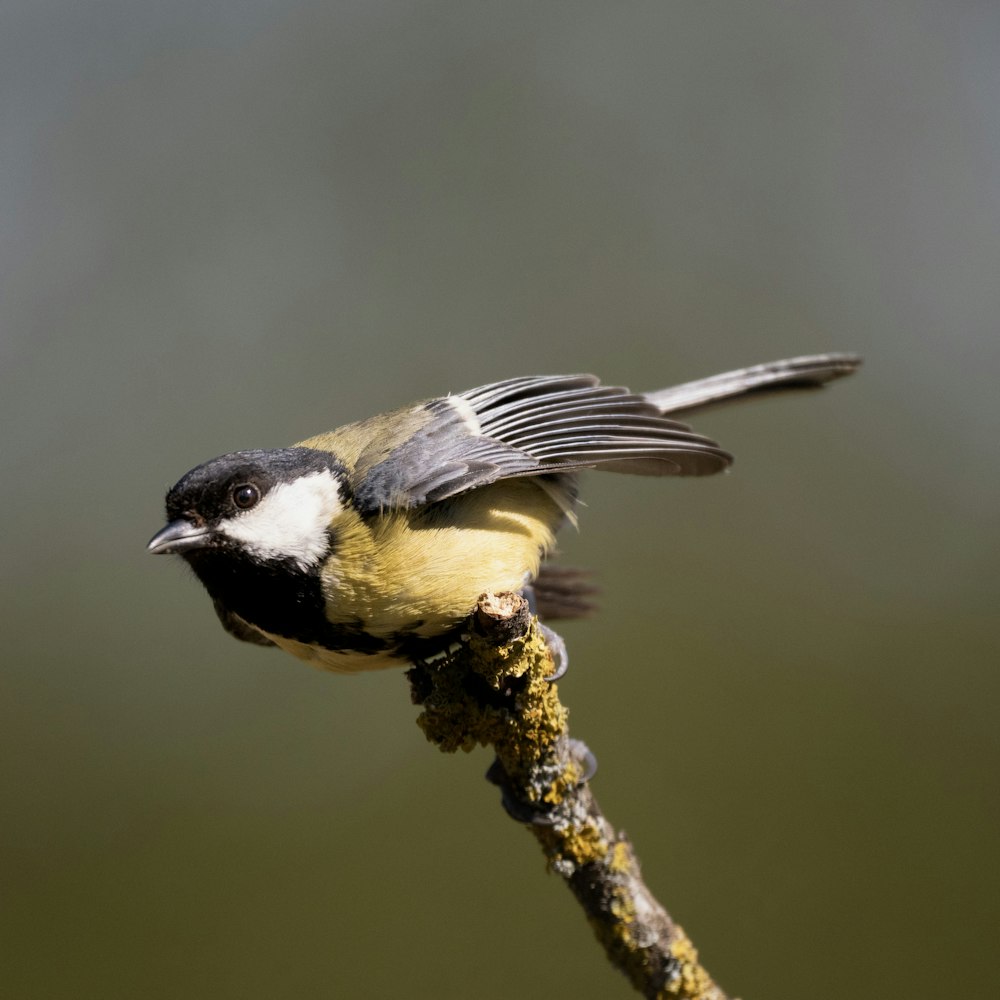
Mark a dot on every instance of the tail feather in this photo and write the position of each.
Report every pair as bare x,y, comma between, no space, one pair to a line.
563,592
807,372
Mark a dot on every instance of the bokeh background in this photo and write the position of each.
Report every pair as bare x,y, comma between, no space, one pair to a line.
234,224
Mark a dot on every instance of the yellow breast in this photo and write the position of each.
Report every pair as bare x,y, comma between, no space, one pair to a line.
421,572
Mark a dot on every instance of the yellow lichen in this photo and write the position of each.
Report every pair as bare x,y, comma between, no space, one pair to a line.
623,909
578,845
692,981
621,858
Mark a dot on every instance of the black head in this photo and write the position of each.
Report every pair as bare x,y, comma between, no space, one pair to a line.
269,506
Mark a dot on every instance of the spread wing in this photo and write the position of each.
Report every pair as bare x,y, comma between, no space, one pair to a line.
529,427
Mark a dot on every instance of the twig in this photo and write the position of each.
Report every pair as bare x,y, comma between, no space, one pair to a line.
495,693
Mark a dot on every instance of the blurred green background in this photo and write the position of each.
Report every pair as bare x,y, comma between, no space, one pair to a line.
234,224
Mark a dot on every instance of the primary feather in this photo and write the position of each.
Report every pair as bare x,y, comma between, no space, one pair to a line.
529,427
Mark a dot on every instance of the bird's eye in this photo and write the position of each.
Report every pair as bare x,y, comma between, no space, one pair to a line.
246,496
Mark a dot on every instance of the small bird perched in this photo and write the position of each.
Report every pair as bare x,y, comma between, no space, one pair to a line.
368,546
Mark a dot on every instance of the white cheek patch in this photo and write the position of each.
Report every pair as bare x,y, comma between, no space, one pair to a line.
291,521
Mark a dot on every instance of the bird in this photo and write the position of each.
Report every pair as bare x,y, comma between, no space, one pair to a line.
368,546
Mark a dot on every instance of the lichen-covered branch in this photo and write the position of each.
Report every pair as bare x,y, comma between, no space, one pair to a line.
496,693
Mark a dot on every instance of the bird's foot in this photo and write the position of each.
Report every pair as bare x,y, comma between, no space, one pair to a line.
557,647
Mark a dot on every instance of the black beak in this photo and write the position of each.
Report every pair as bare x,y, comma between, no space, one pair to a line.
179,536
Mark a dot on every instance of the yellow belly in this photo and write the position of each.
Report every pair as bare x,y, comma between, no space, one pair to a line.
421,572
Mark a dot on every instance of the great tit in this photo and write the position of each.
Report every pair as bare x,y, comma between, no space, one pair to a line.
368,546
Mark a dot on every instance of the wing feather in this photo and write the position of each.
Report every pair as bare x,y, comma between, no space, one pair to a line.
555,425
533,426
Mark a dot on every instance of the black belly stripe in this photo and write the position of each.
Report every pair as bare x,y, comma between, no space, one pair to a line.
281,599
